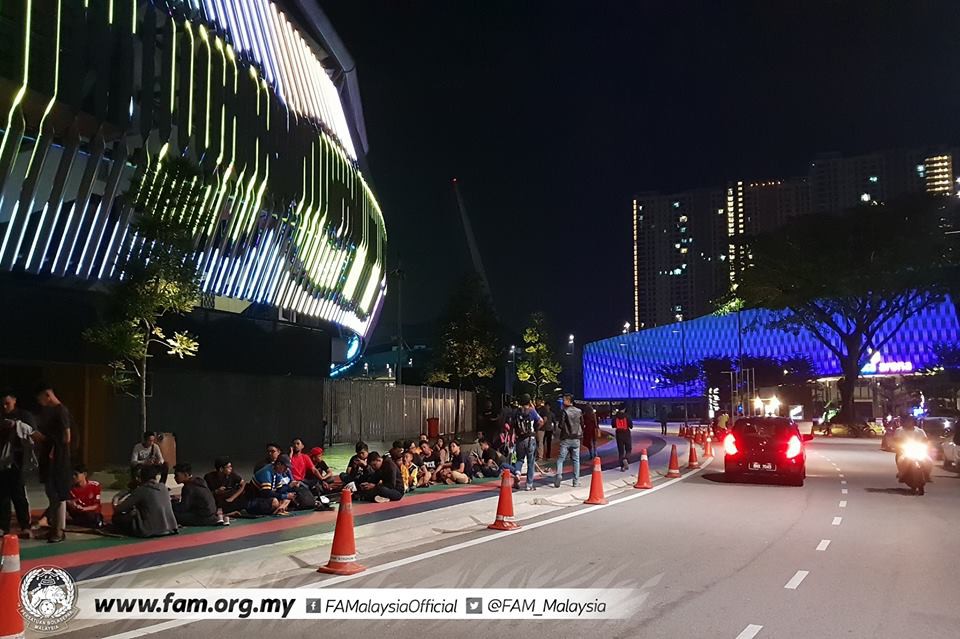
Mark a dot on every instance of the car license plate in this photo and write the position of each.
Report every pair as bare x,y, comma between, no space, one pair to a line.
762,466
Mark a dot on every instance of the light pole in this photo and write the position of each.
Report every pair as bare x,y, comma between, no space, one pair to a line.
571,353
683,364
510,372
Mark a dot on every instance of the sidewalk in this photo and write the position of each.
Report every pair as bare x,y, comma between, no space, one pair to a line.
91,556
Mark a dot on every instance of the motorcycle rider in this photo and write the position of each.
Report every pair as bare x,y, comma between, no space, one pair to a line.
909,431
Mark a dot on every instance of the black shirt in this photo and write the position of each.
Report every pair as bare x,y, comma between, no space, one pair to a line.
431,461
53,424
491,454
389,475
461,458
216,480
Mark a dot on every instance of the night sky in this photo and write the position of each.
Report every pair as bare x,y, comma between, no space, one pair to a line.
552,114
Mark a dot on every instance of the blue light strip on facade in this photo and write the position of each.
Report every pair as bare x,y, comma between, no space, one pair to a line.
628,366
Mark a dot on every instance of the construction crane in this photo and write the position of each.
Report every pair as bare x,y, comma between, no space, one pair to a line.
472,243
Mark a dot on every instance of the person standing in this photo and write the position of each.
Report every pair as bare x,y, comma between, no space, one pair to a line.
526,422
591,430
569,430
16,429
549,424
56,426
621,430
662,417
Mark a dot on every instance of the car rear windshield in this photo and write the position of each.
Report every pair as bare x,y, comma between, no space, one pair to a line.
766,429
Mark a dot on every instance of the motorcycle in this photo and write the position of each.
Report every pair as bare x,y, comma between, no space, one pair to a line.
913,464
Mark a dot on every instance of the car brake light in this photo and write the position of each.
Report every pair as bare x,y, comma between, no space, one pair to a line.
730,444
794,446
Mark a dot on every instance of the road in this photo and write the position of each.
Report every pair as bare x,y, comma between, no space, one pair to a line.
848,555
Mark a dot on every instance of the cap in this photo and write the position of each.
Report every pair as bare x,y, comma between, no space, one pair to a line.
524,399
283,459
316,450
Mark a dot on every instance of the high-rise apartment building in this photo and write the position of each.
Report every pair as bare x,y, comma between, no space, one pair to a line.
678,269
688,246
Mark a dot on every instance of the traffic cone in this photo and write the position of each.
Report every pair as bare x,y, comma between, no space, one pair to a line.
708,447
343,554
596,485
674,469
693,462
643,477
504,520
682,432
11,623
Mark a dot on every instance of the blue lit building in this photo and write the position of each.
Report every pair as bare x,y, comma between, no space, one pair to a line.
627,367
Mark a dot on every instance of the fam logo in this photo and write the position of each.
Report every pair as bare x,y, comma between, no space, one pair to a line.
876,366
48,598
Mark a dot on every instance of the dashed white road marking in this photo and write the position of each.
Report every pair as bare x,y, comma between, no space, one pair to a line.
823,544
843,482
837,521
843,491
841,475
843,504
797,579
750,631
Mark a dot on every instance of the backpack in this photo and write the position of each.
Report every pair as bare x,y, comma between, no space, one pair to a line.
522,424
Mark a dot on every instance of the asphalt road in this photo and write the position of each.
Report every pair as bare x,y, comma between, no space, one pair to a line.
707,558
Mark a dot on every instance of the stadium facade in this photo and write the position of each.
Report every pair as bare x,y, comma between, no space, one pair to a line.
99,101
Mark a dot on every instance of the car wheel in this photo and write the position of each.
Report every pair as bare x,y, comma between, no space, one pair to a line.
795,481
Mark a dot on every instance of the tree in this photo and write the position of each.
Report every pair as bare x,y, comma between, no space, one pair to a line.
157,279
539,365
851,279
468,341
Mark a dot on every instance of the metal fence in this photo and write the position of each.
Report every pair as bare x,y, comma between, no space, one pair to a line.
377,411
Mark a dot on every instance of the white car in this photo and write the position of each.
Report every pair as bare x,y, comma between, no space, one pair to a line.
951,450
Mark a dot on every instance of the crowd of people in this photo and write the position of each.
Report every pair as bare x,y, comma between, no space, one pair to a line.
285,480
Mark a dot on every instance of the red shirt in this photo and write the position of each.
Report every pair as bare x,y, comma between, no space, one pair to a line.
87,495
299,465
621,423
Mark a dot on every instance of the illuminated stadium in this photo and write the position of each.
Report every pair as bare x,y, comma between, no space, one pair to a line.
629,366
260,96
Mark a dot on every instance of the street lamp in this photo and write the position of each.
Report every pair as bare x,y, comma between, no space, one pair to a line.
683,363
511,371
571,351
626,327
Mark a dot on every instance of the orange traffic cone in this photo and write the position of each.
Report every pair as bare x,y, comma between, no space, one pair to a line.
673,470
643,477
11,623
504,520
343,554
682,432
596,485
708,447
693,462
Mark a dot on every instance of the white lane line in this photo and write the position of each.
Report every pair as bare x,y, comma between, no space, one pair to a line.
750,631
823,544
843,491
841,475
837,521
332,581
796,580
843,504
843,482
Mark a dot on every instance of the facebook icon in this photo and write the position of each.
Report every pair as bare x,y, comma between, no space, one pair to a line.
313,606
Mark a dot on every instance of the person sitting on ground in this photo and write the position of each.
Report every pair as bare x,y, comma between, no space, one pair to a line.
83,507
409,473
489,461
357,466
147,453
417,452
423,439
460,464
228,489
146,510
431,464
196,505
273,451
327,477
302,468
386,484
275,483
442,451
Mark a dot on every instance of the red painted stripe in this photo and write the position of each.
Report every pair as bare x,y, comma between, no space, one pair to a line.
218,535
